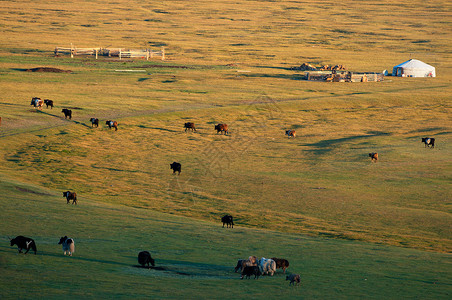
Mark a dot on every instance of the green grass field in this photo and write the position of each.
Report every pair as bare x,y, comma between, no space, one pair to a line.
351,228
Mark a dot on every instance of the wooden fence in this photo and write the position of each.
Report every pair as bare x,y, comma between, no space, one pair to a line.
344,76
111,52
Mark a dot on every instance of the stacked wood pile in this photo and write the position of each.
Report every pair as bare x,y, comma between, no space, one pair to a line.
309,67
330,68
305,67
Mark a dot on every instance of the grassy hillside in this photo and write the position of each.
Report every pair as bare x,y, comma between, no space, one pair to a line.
197,257
229,63
322,182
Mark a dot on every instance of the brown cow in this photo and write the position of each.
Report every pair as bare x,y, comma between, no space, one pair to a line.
112,124
189,125
222,128
281,263
373,156
70,196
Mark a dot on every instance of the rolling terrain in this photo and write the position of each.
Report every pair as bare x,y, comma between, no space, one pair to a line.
350,227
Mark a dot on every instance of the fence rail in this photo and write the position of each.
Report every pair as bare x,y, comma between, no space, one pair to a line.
344,76
111,52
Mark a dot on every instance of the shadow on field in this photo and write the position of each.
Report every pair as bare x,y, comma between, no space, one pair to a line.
272,67
59,255
281,76
60,117
431,129
10,104
324,145
165,129
183,268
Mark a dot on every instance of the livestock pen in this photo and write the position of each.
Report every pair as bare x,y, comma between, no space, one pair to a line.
111,52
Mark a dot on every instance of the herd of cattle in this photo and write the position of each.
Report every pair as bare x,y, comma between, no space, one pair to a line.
38,103
25,243
248,267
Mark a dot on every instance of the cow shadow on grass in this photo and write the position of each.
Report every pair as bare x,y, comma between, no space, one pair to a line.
174,268
167,268
60,117
166,129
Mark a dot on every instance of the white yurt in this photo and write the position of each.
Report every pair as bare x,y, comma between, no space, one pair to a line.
414,68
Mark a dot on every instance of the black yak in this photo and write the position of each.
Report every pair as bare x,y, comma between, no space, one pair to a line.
251,270
228,220
176,167
67,113
144,258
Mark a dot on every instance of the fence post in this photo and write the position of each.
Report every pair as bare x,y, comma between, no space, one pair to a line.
147,54
72,51
119,54
163,53
96,52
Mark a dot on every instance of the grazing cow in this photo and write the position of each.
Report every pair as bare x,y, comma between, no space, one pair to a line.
112,124
144,258
267,266
281,263
251,270
189,125
68,245
176,167
67,113
428,142
242,263
70,196
294,278
228,220
37,102
373,156
291,133
239,265
48,103
222,128
24,243
94,121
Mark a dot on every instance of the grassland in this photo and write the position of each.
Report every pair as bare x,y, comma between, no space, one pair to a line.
230,62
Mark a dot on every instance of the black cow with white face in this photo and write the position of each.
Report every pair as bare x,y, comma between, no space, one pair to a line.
24,243
428,142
